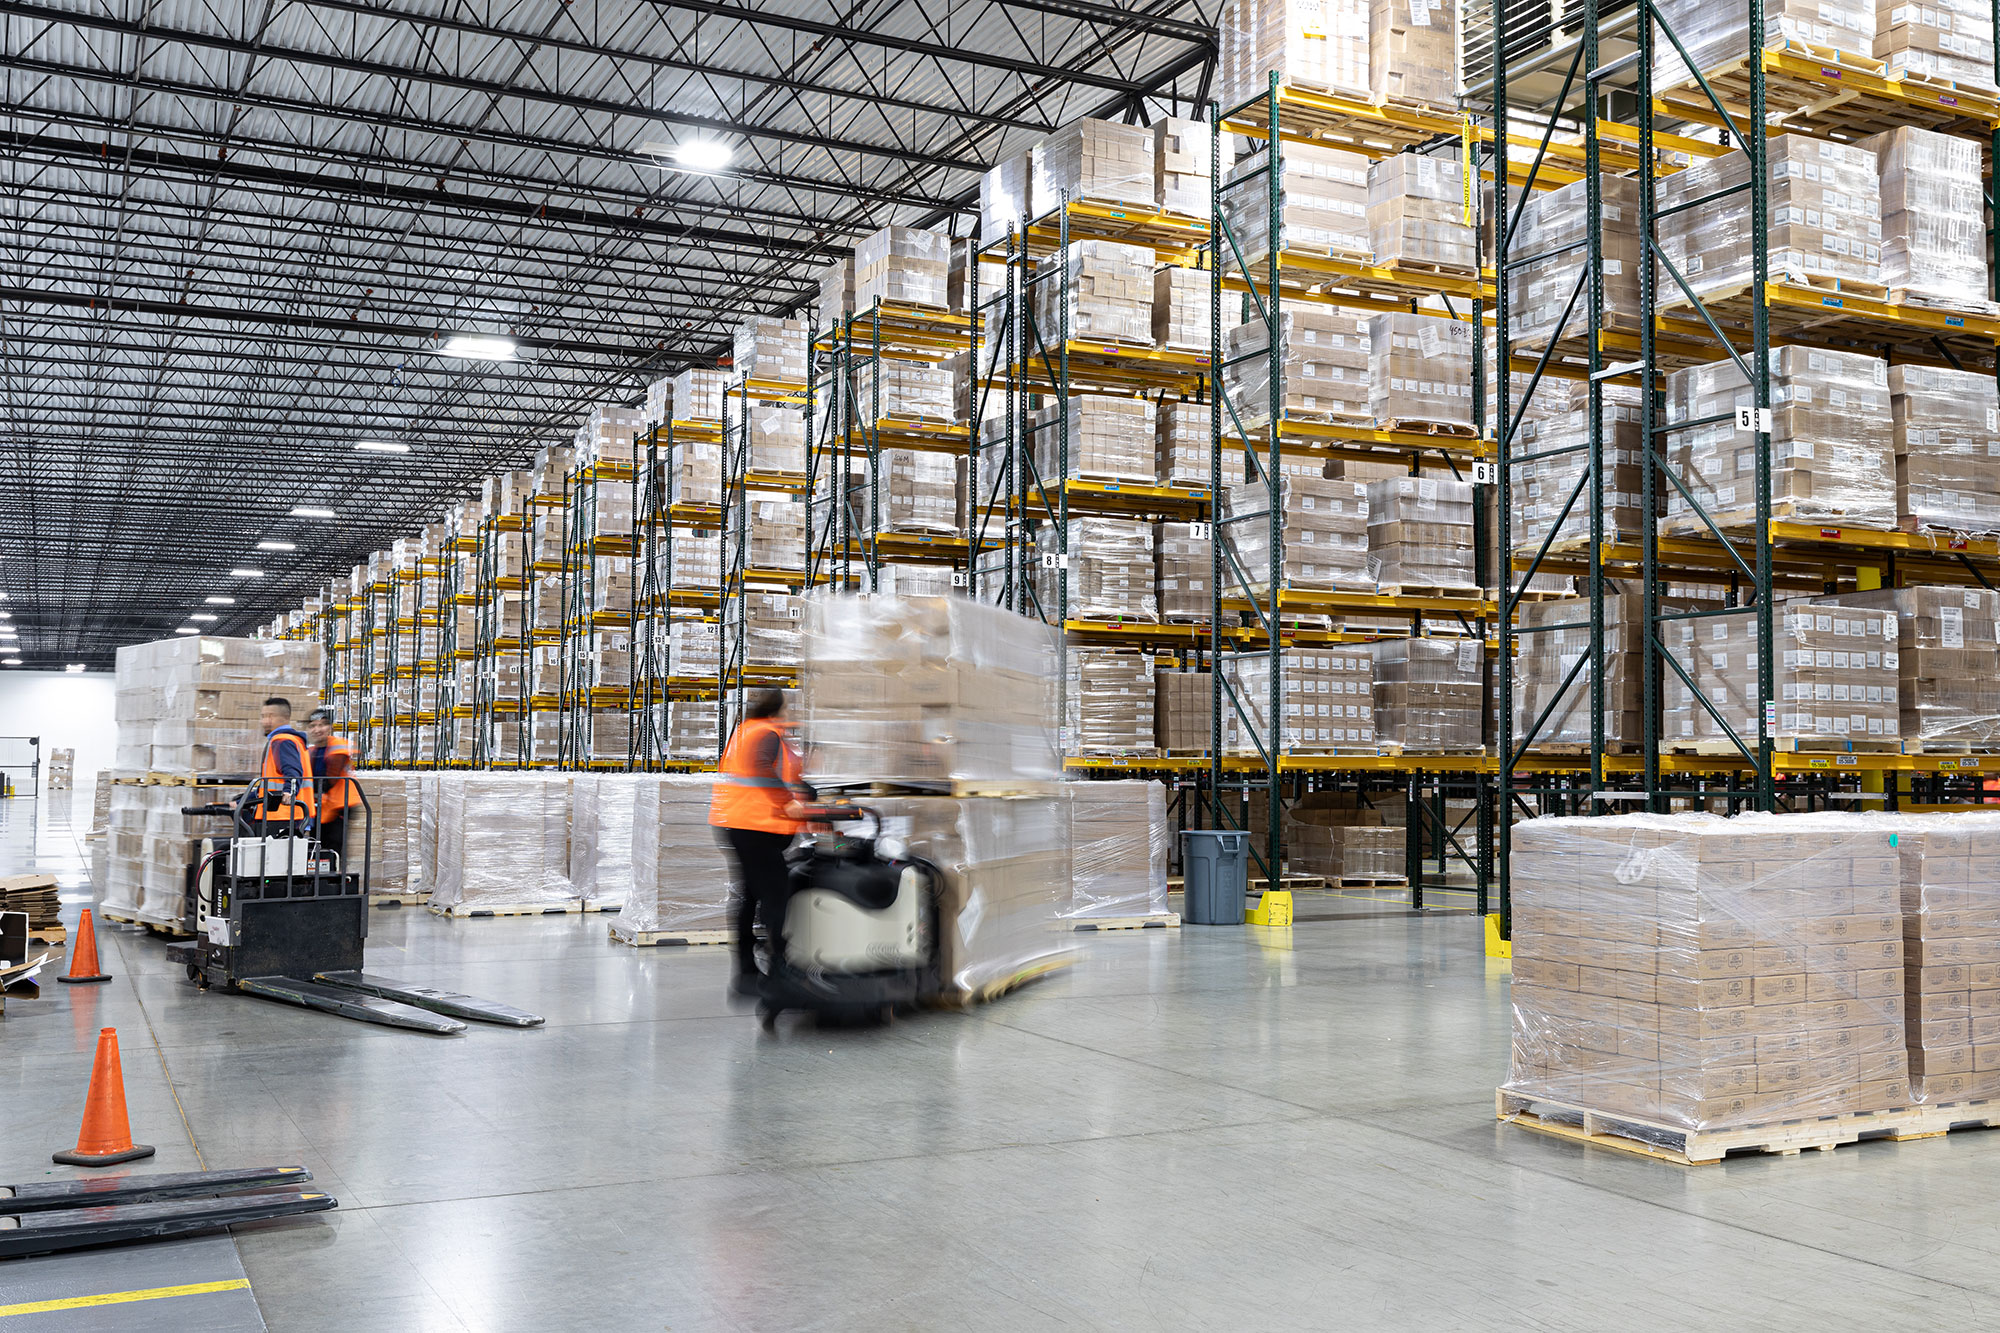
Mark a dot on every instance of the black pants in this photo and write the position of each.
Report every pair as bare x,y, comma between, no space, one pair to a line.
761,890
333,837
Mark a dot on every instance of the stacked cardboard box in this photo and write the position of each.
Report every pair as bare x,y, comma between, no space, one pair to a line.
777,441
1183,309
150,846
1376,852
696,560
1006,197
691,731
1098,160
1943,423
1716,32
900,580
1183,153
1322,205
1420,372
1420,533
1945,658
1327,701
602,806
1118,843
776,525
698,394
1429,693
1183,441
1109,702
659,401
1825,211
768,348
394,805
1554,435
836,294
919,491
1325,525
1322,46
901,264
925,690
694,648
1934,210
1187,571
192,705
1111,570
1413,51
502,840
1095,291
1323,368
1951,954
606,435
768,623
1417,215
1320,828
609,582
62,769
1708,973
679,874
606,660
891,387
1544,302
1832,442
1547,656
553,464
1836,672
1947,40
1185,705
1103,437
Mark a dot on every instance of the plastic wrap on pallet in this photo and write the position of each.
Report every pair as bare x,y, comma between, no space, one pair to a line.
770,348
1102,161
1109,702
659,402
906,580
777,440
192,705
1327,703
1825,218
606,434
1948,41
679,873
694,648
1118,850
1946,428
698,394
1005,860
1321,44
1420,371
691,735
1832,444
1543,683
1317,829
1183,441
918,490
1325,531
1323,368
1545,302
1183,157
1111,570
776,527
1429,693
1836,673
1951,941
602,809
1702,973
693,561
1716,33
901,264
1554,438
502,841
890,387
1375,853
1322,205
836,294
1417,214
1107,287
1183,309
1934,214
1101,437
1947,661
1420,532
1184,705
1413,52
926,690
392,834
1187,572
767,625
1005,197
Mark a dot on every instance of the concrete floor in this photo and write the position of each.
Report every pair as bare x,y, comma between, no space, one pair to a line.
1222,1128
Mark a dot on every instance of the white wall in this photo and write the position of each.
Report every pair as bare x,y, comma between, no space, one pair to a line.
67,712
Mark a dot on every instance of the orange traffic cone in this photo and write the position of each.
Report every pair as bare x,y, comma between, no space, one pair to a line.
83,958
106,1136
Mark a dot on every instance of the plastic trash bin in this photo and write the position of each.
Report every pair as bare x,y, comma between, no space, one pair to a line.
1217,863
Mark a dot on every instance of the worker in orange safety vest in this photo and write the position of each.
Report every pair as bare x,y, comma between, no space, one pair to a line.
760,778
287,792
332,758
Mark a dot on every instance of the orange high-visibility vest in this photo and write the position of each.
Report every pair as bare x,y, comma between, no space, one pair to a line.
335,796
299,807
747,798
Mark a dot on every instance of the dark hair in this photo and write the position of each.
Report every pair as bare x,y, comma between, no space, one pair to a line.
766,703
320,715
279,701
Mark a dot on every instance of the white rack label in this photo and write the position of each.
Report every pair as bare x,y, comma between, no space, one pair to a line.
1200,532
1485,474
1755,419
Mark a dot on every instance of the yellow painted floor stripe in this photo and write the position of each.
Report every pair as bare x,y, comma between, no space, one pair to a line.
125,1297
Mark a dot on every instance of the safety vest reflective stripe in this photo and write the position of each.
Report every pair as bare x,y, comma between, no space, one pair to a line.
744,799
735,780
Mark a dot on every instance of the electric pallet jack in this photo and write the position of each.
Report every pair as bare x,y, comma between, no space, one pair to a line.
274,914
44,1216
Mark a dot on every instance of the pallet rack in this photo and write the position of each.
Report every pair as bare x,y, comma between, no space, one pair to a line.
586,546
497,637
735,671
1786,85
663,592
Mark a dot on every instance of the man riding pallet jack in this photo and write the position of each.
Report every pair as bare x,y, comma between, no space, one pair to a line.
849,930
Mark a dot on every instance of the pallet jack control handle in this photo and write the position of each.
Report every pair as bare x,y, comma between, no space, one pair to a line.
212,809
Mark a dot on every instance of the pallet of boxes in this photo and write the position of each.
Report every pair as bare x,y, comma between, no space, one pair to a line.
189,732
62,770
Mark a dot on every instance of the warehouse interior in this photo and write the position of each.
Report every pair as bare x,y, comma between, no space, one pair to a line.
1163,657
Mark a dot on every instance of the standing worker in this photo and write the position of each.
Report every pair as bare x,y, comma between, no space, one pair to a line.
287,772
332,758
759,778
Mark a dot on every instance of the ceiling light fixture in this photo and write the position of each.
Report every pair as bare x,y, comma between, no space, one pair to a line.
74,668
704,154
276,546
13,661
308,511
478,349
246,573
381,447
186,629
220,601
200,615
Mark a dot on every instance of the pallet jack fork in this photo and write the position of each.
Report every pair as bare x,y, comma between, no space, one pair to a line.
45,1216
276,915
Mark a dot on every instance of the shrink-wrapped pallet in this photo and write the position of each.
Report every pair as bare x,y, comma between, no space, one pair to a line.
602,806
1417,215
1716,33
1933,215
1184,439
1095,291
776,528
691,734
1323,367
771,349
1118,843
1554,439
1184,708
1420,533
1318,829
1109,702
905,265
836,294
1326,701
1945,658
1187,573
680,876
1101,437
1318,44
1183,158
1545,302
927,690
919,491
1100,161
1832,444
1183,309
1325,532
777,441
502,842
698,394
1420,372
1700,974
1947,438
192,705
1951,945
1413,52
1835,670
767,625
606,435
1006,197
1543,682
912,390
1429,693
1322,206
391,820
1946,41
660,401
1110,568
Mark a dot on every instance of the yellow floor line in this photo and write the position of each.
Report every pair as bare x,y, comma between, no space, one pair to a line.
125,1297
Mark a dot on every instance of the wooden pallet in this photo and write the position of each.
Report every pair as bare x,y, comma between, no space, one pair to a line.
460,912
993,990
1374,881
1914,746
1933,1122
154,928
1695,1147
48,934
398,899
1785,745
647,939
1156,921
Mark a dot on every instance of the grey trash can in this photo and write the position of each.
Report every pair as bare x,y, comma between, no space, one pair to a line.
1218,878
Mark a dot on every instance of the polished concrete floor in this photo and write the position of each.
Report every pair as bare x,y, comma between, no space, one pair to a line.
1200,1129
